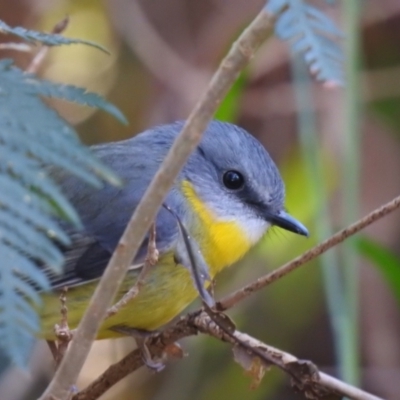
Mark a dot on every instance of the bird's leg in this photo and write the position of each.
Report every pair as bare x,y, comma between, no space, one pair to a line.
189,255
141,337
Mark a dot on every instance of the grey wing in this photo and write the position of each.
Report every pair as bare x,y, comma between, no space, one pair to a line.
88,255
80,244
105,213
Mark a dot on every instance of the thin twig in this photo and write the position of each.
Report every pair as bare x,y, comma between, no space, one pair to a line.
239,55
232,299
24,47
37,61
149,262
62,331
200,321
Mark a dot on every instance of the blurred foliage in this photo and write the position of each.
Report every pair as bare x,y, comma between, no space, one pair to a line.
384,259
382,52
81,65
229,109
311,33
389,110
31,136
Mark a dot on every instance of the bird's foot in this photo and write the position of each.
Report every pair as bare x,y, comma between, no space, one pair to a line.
141,337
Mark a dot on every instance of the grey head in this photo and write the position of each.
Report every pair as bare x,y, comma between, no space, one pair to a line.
236,178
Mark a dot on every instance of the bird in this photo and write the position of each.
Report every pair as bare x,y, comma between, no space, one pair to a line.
227,196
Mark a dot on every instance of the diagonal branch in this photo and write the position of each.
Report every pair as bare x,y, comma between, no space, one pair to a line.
134,360
237,58
232,299
318,383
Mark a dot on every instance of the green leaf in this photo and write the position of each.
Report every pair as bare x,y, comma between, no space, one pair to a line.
384,259
48,39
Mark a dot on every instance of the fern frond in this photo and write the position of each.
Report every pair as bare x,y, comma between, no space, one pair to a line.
48,39
18,319
311,33
33,136
73,94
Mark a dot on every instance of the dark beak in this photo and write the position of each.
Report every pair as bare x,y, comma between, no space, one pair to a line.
285,221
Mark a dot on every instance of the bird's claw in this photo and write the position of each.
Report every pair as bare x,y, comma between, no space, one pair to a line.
141,337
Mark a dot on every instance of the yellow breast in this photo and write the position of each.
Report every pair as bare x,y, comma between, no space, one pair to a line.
168,287
222,242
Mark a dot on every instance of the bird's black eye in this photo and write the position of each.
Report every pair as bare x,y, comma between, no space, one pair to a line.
233,180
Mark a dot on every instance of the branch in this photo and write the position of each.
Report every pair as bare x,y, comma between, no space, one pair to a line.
134,360
37,61
239,55
232,299
313,383
149,262
16,46
62,331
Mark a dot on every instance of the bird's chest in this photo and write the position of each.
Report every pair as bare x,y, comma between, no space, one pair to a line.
222,243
